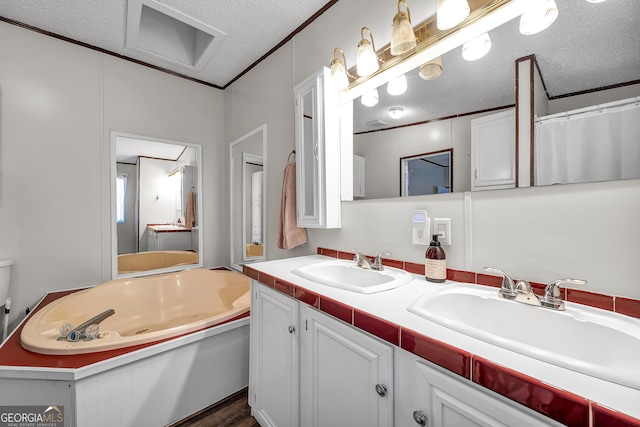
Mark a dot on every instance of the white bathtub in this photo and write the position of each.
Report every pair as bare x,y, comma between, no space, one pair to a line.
147,309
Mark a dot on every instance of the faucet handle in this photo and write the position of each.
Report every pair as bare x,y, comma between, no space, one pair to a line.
508,288
552,298
377,263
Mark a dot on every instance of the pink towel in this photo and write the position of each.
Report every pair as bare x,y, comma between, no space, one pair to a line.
190,214
289,235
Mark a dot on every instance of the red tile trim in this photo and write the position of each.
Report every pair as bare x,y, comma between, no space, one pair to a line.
307,297
252,273
337,309
345,255
381,328
284,287
393,263
438,352
414,268
627,306
603,416
560,405
488,280
267,279
328,252
538,288
589,298
461,276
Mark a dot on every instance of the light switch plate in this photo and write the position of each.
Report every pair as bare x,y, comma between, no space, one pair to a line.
442,227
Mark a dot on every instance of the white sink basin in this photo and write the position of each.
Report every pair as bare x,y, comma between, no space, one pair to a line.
347,275
594,342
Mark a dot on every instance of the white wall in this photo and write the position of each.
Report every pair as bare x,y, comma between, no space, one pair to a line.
588,231
58,103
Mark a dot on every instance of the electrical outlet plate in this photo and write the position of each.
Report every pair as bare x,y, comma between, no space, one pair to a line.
442,227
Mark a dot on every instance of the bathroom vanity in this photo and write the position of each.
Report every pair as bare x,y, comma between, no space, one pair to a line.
168,237
323,356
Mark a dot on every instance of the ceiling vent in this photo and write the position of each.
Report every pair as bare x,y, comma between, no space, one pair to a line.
157,31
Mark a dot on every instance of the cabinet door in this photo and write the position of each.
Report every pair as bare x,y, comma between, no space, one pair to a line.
273,389
447,400
493,151
346,376
318,149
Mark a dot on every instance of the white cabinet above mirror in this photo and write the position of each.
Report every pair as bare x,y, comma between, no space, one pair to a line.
323,136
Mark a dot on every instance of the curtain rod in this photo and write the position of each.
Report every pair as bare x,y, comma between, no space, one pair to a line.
599,108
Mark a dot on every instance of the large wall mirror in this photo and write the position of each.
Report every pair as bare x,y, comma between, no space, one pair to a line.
156,210
590,46
247,186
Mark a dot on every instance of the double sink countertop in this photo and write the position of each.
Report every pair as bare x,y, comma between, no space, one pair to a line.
391,306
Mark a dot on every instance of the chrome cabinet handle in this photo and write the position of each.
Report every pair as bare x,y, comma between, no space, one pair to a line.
292,329
420,417
381,389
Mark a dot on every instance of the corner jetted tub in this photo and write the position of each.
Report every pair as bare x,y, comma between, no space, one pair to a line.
154,260
147,309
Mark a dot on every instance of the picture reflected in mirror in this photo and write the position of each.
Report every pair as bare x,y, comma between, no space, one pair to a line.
428,173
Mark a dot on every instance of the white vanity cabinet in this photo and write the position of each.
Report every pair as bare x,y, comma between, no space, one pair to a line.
493,151
309,369
317,143
274,373
346,376
427,395
168,240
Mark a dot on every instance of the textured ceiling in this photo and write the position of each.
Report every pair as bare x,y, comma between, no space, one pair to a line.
253,26
589,46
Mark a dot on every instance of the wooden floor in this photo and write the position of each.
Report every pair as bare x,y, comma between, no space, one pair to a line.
232,412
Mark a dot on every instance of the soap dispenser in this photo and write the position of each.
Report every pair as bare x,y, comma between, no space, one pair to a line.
435,262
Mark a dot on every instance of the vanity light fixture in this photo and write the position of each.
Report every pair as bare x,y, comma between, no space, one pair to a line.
403,39
175,171
367,62
396,112
451,12
370,98
538,17
476,48
397,86
339,74
431,70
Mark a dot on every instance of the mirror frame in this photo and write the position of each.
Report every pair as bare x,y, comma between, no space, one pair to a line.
232,246
114,229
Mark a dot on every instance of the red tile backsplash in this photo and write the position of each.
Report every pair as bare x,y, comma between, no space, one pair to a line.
376,326
414,268
628,306
488,280
555,403
438,352
461,276
345,255
605,417
589,298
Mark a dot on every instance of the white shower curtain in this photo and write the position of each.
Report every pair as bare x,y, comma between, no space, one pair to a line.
598,145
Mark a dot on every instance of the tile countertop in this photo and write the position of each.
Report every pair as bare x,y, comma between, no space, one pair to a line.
392,306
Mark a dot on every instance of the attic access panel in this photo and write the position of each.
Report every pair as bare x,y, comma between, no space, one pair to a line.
158,31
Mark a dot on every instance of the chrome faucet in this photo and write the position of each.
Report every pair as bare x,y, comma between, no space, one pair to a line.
79,332
551,297
377,264
508,287
361,260
520,291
